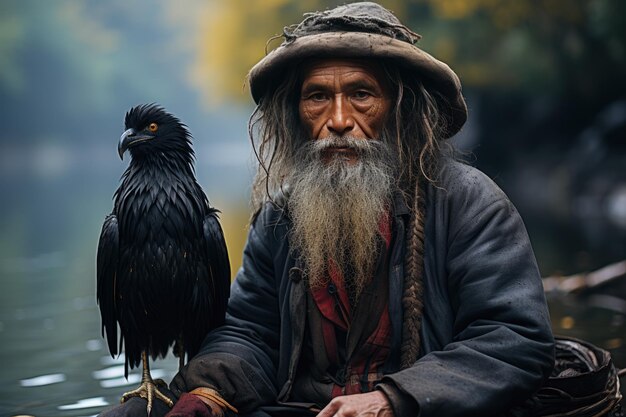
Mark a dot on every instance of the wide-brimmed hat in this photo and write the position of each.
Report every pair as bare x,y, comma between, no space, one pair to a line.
360,30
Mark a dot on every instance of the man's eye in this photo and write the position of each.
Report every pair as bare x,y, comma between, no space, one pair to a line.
361,95
317,97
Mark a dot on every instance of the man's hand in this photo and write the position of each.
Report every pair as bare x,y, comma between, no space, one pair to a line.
371,404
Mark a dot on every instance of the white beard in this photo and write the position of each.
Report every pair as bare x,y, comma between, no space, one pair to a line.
336,206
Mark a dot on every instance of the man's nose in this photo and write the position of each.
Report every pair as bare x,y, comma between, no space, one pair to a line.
341,120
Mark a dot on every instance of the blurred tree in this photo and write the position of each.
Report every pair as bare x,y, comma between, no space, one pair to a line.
565,50
235,35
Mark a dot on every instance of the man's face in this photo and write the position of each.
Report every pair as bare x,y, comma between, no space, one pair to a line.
343,98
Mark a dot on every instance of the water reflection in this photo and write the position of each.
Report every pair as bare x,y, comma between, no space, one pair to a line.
54,361
108,373
42,380
96,402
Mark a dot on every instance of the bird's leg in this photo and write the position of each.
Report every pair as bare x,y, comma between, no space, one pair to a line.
148,388
181,354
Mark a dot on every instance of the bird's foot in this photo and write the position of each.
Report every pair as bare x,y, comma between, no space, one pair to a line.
149,389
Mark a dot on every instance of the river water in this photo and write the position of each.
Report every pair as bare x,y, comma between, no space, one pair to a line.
55,363
53,360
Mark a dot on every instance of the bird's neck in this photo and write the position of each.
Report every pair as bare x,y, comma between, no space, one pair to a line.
168,163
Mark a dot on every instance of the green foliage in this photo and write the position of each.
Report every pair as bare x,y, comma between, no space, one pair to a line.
532,46
235,34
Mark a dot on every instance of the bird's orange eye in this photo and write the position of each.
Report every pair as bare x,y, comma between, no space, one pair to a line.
153,127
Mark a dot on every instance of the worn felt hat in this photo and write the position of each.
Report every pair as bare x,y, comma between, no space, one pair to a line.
360,30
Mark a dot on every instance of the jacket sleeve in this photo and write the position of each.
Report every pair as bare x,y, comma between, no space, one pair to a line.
502,346
239,359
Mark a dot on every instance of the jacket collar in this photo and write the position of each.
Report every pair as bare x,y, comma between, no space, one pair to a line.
399,204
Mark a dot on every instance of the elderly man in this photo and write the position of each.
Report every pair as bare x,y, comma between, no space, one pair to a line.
380,276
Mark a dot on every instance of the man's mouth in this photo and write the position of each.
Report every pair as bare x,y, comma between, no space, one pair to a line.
343,152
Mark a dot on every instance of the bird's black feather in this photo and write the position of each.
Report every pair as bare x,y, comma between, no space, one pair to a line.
107,261
163,271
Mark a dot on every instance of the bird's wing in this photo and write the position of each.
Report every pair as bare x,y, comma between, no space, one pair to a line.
106,275
217,255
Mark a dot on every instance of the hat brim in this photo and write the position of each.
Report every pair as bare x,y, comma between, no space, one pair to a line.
434,74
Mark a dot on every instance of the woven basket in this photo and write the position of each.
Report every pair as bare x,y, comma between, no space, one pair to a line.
584,383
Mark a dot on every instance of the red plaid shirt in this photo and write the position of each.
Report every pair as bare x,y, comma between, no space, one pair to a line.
363,367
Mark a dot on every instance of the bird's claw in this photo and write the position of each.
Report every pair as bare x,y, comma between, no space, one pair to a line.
149,390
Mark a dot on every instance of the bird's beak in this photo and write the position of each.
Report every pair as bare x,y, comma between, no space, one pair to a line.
128,139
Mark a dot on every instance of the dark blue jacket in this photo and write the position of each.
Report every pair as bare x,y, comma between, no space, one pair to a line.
486,338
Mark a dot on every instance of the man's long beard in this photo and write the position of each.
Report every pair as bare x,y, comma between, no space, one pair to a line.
336,207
